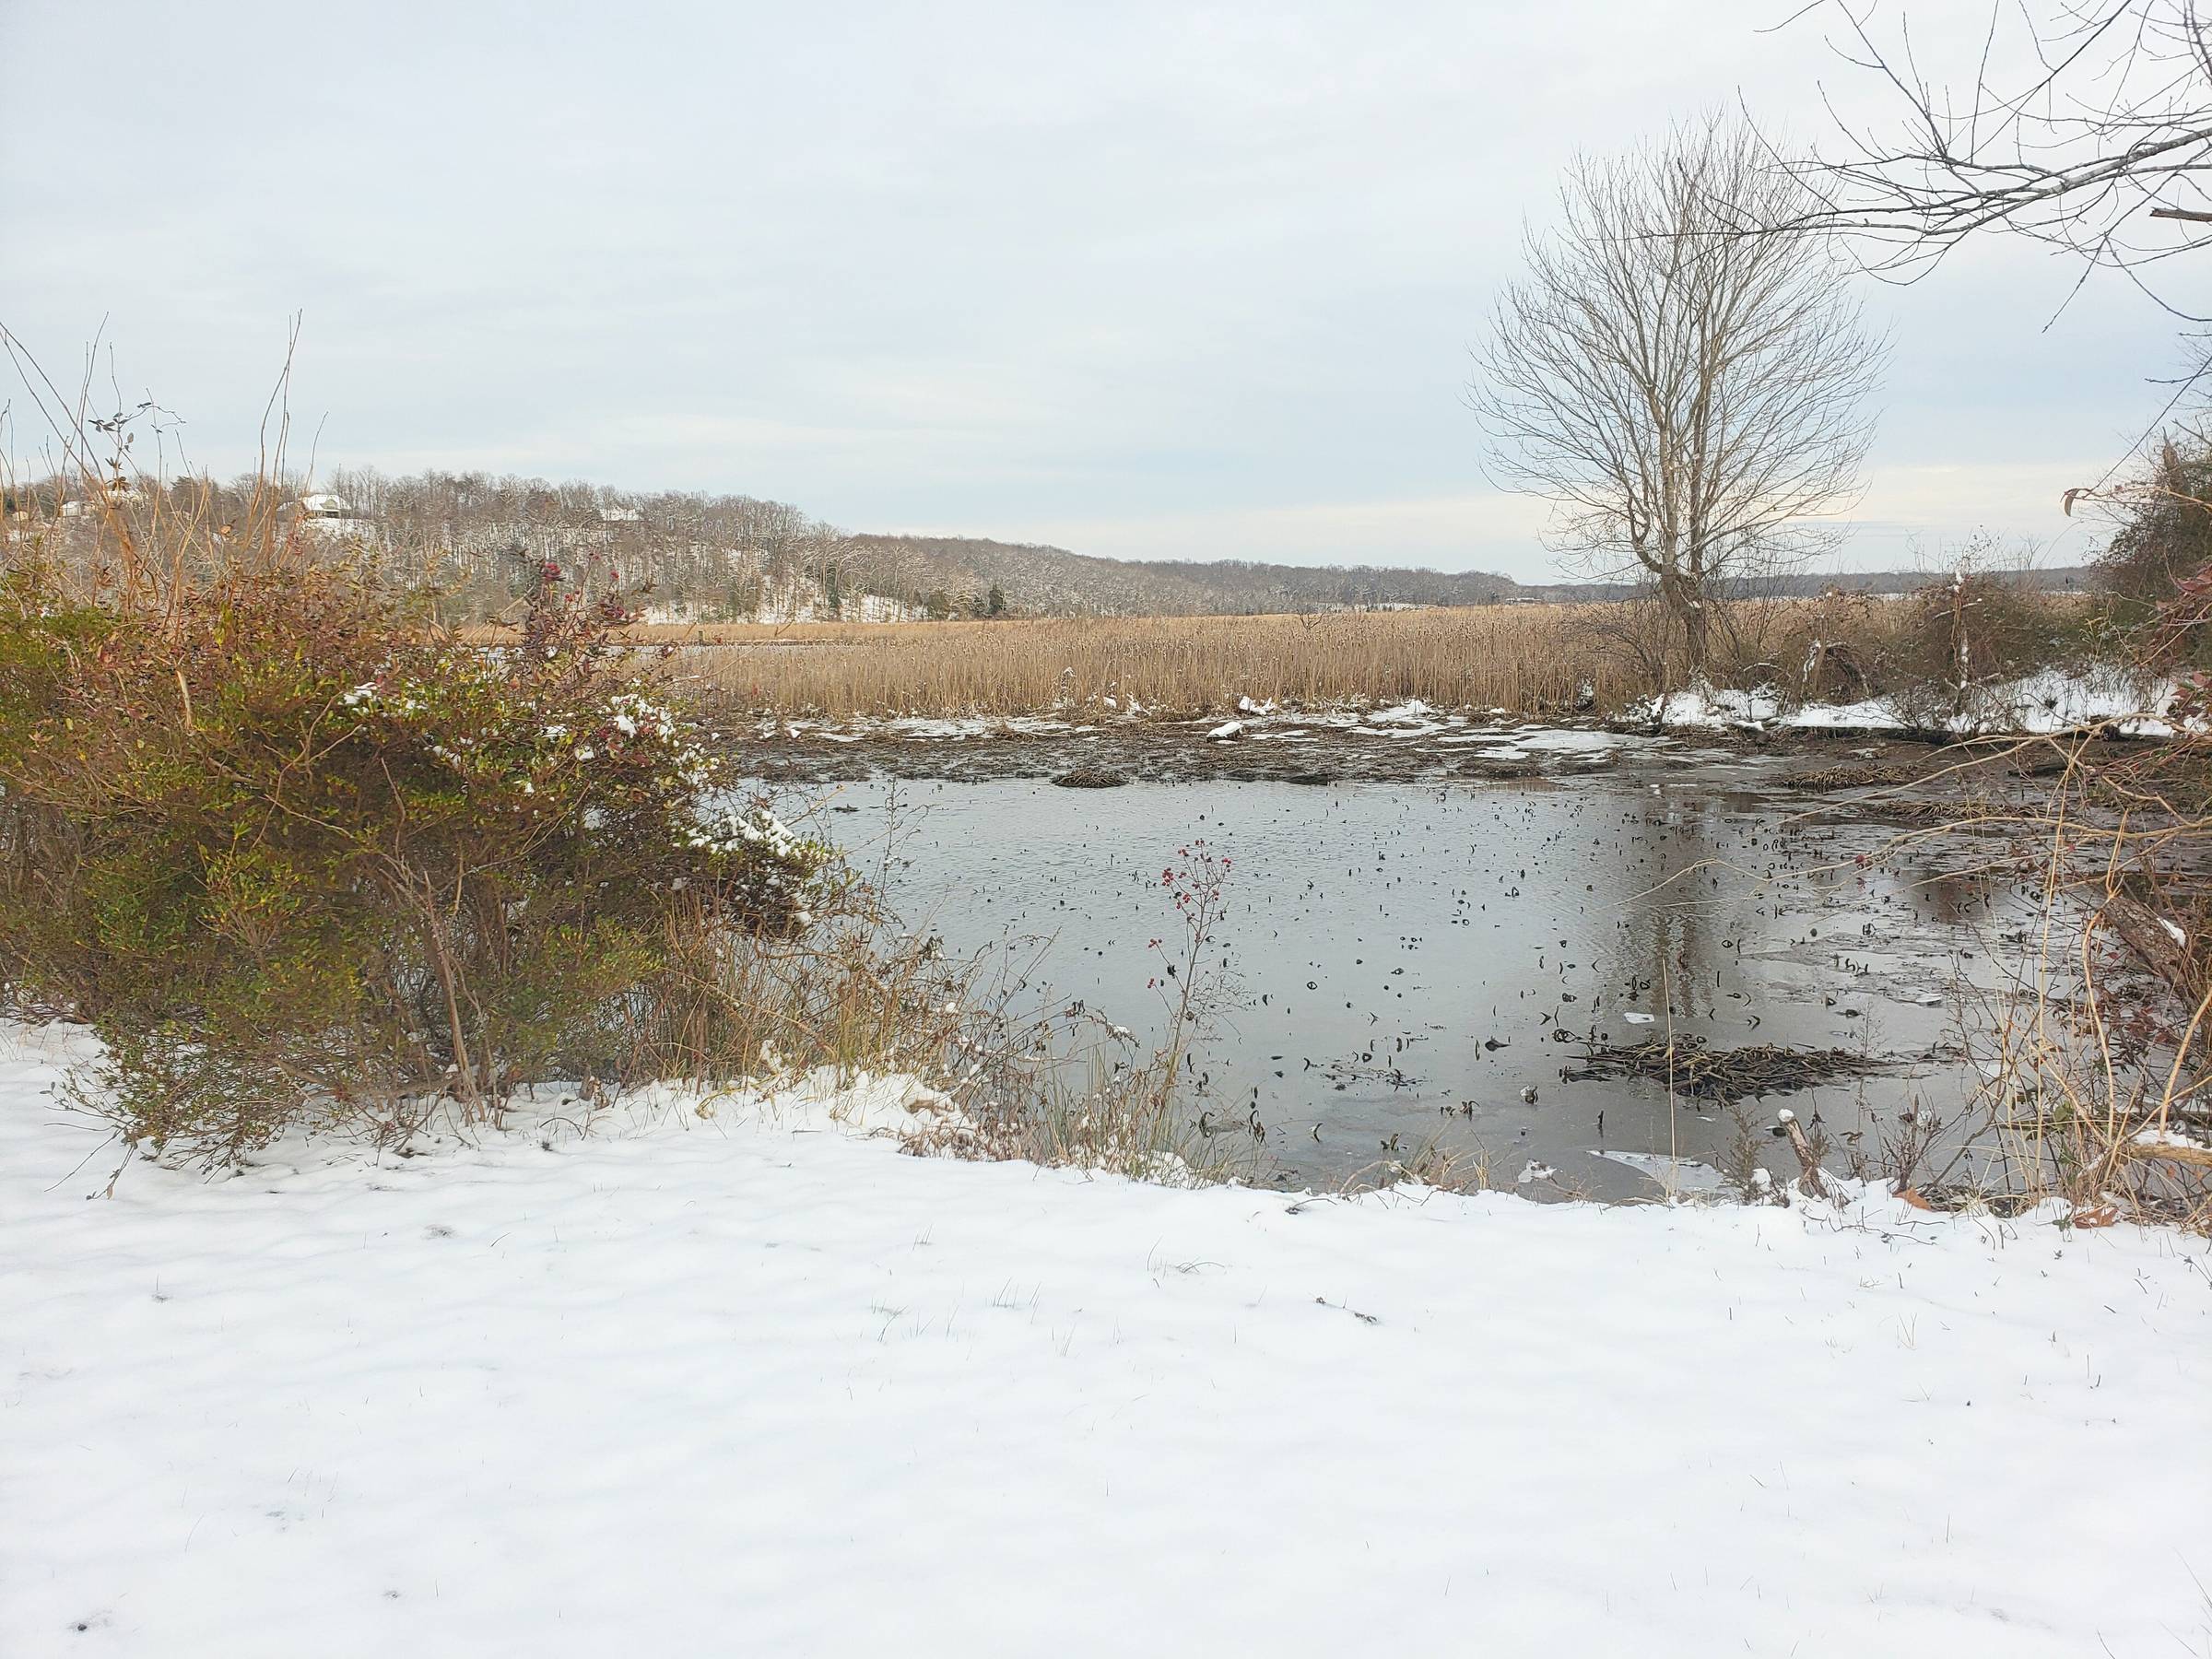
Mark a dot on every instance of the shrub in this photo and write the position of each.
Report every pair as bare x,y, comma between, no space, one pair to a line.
293,851
1978,628
2163,536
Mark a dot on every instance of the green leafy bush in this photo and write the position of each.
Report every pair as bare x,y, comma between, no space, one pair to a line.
292,852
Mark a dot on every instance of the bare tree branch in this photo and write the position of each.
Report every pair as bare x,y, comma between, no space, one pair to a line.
2084,122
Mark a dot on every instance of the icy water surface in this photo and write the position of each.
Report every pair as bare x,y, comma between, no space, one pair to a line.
1405,958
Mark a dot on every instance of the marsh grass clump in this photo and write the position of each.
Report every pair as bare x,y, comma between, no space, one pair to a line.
1100,1106
1743,1161
1439,1165
297,856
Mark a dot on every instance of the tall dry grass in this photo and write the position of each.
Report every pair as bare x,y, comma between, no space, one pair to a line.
1536,658
1504,656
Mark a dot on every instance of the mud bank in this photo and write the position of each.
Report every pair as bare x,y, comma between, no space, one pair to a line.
1206,750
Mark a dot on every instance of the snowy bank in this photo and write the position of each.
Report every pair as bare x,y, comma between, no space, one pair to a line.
747,1382
2047,703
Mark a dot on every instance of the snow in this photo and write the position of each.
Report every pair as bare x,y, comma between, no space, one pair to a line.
1412,718
2050,700
725,1377
1864,716
1704,708
2055,701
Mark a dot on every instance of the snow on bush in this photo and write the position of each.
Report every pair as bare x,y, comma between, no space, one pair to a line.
292,852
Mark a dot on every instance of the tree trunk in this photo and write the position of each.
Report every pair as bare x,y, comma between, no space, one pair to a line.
1685,601
1696,634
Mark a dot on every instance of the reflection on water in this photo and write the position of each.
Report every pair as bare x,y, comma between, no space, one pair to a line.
1413,961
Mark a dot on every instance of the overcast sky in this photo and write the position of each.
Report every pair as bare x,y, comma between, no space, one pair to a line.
1153,281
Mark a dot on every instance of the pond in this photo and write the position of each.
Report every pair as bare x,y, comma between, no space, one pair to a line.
1409,963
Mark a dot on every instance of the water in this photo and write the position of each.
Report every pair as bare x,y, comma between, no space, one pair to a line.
1404,958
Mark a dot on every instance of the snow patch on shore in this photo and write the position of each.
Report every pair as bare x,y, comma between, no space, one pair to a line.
2049,701
735,1379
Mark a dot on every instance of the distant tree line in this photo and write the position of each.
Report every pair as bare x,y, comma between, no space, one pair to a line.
478,541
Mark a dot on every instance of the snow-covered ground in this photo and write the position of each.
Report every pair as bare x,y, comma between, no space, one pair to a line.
2052,701
751,1383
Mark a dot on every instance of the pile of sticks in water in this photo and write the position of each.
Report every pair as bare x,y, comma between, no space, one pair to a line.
1852,777
1091,777
1689,1067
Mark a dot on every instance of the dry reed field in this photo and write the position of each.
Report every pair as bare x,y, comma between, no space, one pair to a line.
1532,657
1508,657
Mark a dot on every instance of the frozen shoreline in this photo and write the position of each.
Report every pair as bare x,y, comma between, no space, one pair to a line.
1414,742
2041,704
749,1383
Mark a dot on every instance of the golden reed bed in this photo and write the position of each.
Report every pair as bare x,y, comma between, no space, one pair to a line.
1531,657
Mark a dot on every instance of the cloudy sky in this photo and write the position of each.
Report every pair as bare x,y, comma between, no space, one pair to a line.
1148,281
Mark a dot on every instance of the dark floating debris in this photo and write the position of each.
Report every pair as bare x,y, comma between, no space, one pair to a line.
1723,1074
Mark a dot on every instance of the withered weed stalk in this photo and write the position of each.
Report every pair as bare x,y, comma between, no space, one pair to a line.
1070,1086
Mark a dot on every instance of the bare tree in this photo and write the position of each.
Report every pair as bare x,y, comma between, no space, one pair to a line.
2085,125
1690,400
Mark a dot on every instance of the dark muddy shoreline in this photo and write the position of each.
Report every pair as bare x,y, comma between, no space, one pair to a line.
1183,752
